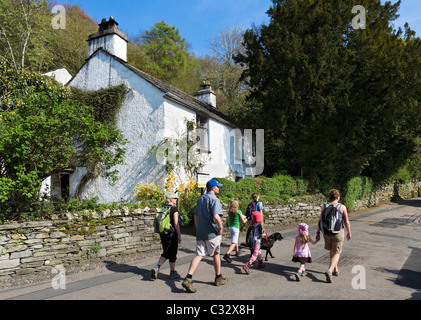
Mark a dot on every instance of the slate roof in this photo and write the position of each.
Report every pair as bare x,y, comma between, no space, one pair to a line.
172,93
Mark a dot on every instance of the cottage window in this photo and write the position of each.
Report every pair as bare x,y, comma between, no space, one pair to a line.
202,125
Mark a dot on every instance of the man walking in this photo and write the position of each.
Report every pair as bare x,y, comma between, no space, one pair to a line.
208,234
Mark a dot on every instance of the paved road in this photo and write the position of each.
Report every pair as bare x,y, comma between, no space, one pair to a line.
382,261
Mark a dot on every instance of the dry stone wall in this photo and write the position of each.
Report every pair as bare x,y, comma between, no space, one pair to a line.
390,192
309,211
41,245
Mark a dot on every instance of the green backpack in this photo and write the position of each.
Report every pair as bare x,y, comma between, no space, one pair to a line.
162,223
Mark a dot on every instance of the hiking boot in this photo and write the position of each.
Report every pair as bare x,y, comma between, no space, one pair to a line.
188,285
227,258
220,281
154,273
246,268
174,275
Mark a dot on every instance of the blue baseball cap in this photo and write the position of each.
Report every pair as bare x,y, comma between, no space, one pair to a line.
212,183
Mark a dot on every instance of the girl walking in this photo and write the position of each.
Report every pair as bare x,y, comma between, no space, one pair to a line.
234,227
258,234
302,252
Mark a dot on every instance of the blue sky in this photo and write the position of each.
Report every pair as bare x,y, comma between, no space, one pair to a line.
200,20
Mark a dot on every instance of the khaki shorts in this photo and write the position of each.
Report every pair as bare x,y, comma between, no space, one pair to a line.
334,242
208,247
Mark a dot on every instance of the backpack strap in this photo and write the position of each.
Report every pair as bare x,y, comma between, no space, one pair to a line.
341,215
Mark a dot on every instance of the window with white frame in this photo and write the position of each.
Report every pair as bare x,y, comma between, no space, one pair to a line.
202,124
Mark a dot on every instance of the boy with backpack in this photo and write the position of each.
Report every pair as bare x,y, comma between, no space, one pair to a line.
255,205
166,223
333,220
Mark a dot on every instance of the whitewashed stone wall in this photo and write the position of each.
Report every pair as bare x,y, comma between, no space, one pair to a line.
141,120
145,119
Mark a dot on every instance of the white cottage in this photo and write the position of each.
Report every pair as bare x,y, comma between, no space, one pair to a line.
153,110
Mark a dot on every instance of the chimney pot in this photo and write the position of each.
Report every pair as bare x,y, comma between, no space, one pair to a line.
206,94
109,38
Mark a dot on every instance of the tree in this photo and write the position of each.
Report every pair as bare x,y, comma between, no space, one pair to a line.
336,101
137,56
43,131
168,57
22,31
29,41
221,69
67,47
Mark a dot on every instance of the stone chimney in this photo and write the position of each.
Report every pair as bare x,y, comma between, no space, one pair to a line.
206,94
109,38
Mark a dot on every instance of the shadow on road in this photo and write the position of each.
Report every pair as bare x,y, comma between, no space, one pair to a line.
410,274
125,268
411,203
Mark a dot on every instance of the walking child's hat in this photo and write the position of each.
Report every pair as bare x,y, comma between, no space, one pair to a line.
303,228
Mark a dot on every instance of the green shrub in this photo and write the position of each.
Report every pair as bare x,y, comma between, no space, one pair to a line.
240,191
302,186
270,187
278,189
248,186
356,188
402,176
229,190
287,184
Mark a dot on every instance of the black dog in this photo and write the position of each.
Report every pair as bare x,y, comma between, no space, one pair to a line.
269,244
265,245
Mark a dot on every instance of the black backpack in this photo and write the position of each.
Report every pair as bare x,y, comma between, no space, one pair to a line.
250,236
250,209
331,221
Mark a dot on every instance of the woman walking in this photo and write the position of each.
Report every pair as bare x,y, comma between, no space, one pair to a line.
333,220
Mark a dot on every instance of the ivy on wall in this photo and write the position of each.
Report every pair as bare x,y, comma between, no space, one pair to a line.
104,102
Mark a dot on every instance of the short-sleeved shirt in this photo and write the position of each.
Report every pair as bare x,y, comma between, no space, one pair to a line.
207,206
235,220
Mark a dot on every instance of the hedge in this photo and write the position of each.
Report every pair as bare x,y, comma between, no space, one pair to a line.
278,189
356,188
